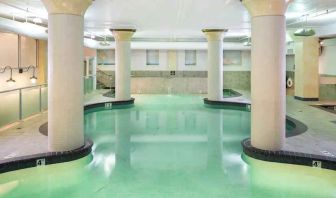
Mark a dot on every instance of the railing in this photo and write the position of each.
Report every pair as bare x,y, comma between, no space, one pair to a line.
105,78
18,104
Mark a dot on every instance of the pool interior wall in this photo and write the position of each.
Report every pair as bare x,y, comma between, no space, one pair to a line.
168,146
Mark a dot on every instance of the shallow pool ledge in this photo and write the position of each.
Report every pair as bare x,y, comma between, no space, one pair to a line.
289,157
43,159
109,104
228,103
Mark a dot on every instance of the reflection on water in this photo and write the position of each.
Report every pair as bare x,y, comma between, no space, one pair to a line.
168,146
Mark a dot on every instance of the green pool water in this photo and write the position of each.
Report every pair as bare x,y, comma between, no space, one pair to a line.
168,146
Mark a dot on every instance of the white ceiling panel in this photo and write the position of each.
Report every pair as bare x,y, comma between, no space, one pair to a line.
175,18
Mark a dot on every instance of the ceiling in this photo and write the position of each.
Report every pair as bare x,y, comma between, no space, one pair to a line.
171,19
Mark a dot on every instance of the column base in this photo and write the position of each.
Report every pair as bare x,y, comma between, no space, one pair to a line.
306,99
111,104
123,102
227,104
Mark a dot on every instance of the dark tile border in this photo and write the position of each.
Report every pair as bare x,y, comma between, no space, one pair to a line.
227,105
306,99
289,157
298,127
43,129
49,158
107,104
325,108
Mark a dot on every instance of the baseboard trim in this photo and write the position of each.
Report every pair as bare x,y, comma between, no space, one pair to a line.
306,99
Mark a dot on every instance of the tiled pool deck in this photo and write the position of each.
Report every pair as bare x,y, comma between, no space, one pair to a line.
320,138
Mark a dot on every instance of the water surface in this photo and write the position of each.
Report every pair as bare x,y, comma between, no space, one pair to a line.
168,146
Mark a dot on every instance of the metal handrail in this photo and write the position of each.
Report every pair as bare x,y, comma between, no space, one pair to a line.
101,71
21,88
40,100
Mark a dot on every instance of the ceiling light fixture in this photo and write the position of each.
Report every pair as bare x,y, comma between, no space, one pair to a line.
248,42
37,20
105,42
304,31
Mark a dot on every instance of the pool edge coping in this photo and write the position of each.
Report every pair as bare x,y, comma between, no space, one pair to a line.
47,158
289,157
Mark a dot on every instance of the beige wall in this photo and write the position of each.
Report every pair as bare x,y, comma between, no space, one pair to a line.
307,67
10,55
42,65
328,57
28,51
159,85
89,52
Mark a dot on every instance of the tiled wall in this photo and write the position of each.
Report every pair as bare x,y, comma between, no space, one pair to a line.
237,80
327,92
166,85
161,82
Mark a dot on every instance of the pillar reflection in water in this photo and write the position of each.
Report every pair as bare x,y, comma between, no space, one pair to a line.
215,144
123,127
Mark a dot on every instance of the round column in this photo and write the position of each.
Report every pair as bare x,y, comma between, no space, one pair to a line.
123,63
268,71
215,63
65,73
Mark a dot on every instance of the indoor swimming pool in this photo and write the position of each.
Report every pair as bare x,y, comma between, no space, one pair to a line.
168,146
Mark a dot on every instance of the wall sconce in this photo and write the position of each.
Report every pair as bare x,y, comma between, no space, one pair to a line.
33,79
10,81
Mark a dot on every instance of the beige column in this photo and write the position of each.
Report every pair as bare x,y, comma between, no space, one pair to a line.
307,82
65,73
268,69
215,63
123,63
